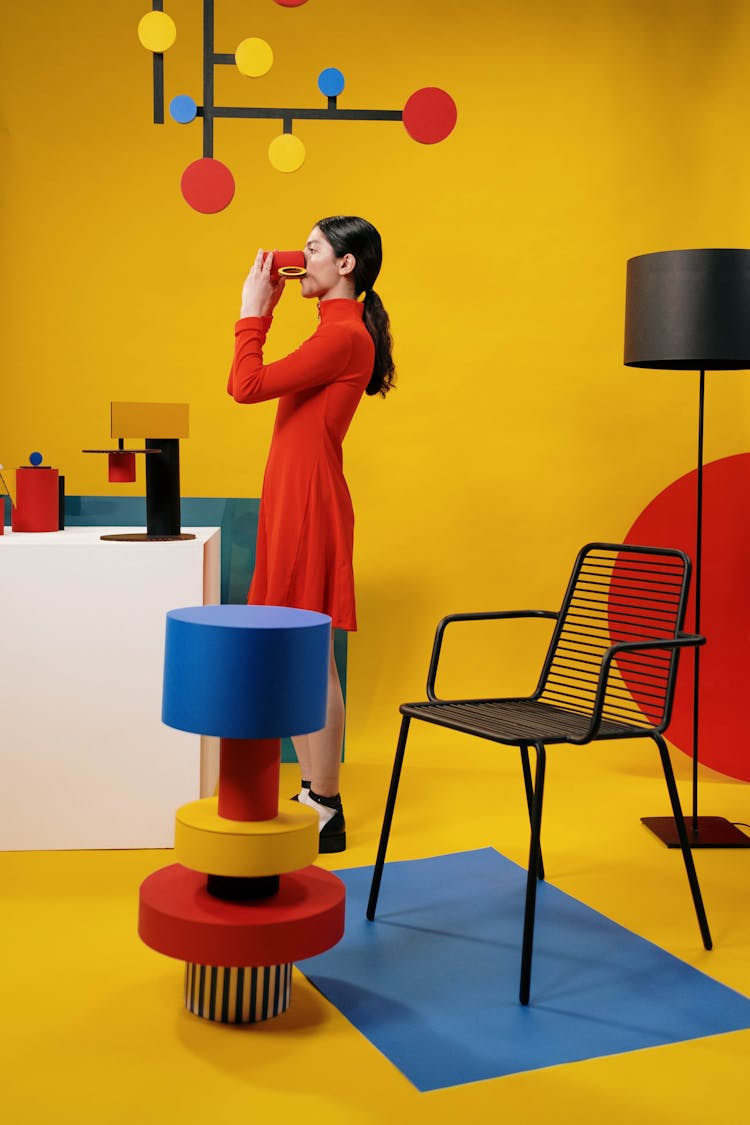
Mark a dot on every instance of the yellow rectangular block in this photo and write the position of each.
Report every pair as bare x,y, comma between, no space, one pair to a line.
150,419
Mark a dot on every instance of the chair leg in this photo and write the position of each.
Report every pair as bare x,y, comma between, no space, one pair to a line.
528,786
387,818
535,855
687,854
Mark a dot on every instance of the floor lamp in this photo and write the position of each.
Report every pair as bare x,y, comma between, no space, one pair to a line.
689,310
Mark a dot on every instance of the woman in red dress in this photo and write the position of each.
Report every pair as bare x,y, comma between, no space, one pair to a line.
306,526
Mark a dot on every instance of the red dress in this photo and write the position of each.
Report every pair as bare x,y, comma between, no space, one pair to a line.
306,526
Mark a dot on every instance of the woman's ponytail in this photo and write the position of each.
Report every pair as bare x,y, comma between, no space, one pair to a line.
379,326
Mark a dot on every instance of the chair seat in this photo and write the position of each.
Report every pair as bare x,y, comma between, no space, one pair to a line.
516,721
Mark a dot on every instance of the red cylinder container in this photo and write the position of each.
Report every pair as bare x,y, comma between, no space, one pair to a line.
37,506
287,263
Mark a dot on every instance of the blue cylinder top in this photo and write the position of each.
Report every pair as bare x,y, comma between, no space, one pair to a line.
246,671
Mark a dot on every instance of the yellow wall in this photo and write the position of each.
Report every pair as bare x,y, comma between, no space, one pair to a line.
589,131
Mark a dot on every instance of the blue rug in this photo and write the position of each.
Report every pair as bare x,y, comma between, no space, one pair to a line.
433,981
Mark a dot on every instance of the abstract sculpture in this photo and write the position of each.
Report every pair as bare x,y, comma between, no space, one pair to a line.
134,419
242,902
428,116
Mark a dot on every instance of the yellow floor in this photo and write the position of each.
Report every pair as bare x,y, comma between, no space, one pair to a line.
93,1028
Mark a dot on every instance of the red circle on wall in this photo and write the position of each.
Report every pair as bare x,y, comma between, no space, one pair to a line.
291,3
669,521
207,185
430,115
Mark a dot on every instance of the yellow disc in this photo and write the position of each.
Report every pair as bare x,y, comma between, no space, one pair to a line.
253,57
207,842
286,153
157,32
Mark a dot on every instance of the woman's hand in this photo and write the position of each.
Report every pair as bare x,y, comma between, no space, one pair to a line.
260,293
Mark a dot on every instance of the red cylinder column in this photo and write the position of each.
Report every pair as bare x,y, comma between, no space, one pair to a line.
249,778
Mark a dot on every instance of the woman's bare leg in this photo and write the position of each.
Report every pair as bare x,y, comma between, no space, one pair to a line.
319,754
302,751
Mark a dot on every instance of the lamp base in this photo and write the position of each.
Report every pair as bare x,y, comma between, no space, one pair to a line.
144,537
712,832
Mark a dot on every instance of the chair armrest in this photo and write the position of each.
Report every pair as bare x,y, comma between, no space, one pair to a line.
682,640
503,614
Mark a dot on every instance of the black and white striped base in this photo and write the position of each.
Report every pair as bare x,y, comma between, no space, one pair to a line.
237,995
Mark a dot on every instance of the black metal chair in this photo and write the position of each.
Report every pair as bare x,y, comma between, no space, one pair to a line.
609,672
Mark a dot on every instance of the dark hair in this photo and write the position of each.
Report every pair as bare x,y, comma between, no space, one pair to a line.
349,234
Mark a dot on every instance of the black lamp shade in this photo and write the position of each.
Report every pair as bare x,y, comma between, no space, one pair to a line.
688,310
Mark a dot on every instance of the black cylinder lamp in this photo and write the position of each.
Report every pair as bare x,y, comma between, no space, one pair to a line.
689,310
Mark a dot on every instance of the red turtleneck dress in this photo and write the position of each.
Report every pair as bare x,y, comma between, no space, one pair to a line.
306,526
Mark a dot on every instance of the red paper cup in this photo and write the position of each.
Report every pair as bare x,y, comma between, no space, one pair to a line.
287,263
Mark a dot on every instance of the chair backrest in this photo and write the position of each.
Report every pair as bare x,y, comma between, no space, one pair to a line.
618,592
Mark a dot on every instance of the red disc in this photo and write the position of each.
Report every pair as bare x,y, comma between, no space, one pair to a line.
430,115
179,917
291,3
669,520
207,185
